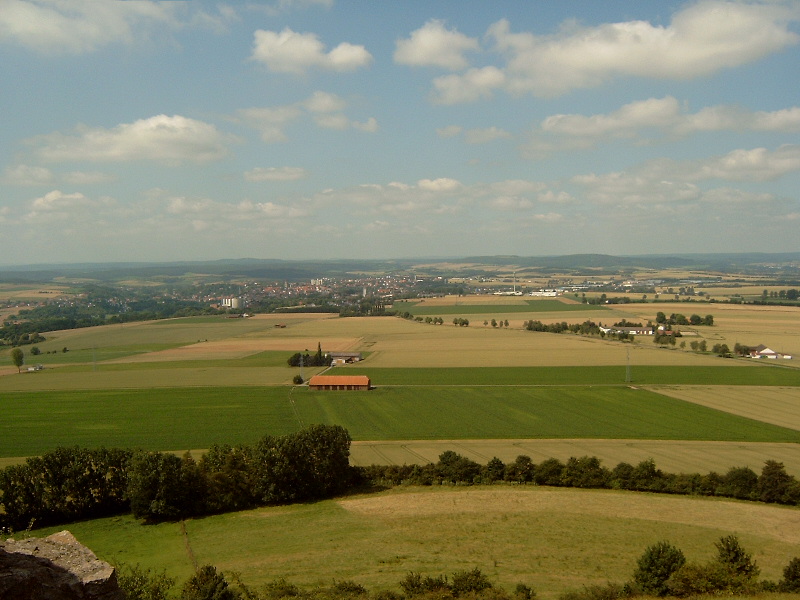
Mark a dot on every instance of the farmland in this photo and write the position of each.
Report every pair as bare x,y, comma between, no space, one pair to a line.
482,391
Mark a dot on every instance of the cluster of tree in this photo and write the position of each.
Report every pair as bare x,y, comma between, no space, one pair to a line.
434,320
64,485
585,328
366,307
773,485
306,360
496,323
791,294
666,338
73,483
721,350
664,571
694,320
461,322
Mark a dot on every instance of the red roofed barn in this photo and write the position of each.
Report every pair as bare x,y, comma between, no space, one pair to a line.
339,382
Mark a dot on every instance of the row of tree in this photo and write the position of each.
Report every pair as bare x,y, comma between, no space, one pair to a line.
773,485
74,483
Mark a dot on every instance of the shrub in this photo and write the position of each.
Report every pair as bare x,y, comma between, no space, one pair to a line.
280,588
524,592
143,584
207,584
694,579
735,558
655,567
469,582
348,589
549,472
791,576
415,584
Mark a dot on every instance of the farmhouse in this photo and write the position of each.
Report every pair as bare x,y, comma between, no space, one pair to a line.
628,330
339,382
343,358
761,351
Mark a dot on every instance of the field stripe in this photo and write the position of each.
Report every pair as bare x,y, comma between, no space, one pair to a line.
775,405
670,456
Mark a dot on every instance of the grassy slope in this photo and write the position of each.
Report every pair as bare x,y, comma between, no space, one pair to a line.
180,418
552,539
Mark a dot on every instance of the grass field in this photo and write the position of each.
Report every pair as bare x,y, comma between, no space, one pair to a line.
195,418
551,539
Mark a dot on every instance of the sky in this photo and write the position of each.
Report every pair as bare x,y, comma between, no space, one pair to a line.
133,130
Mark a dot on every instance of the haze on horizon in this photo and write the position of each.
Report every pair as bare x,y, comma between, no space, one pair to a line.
299,129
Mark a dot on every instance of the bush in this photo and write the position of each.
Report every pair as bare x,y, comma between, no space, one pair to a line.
207,584
524,592
731,555
610,591
280,588
415,584
143,584
656,566
348,589
473,581
693,579
791,577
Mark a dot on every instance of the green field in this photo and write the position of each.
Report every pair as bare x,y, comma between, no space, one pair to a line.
757,375
195,418
554,540
530,306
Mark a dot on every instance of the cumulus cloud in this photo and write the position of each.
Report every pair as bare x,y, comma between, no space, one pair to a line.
758,164
443,184
664,117
291,52
168,139
27,175
81,26
435,45
703,38
324,108
276,174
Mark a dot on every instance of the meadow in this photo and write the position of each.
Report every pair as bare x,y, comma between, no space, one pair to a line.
551,539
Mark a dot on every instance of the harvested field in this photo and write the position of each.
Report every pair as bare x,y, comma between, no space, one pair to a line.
776,405
239,348
671,456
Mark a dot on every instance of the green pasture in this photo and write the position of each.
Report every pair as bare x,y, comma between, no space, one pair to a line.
549,539
195,418
737,374
530,306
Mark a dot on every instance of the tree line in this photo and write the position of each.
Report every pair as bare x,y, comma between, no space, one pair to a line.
69,484
772,485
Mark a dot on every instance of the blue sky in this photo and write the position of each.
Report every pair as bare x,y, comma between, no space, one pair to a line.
160,131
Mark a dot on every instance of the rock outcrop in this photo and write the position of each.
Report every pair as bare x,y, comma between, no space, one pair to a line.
57,567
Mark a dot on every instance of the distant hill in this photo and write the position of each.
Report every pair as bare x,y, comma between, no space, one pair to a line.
299,270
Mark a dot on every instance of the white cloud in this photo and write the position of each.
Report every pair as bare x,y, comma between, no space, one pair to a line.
291,52
663,117
81,26
162,138
324,102
27,175
703,38
88,177
276,174
443,184
324,108
758,164
484,136
270,121
435,45
472,85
